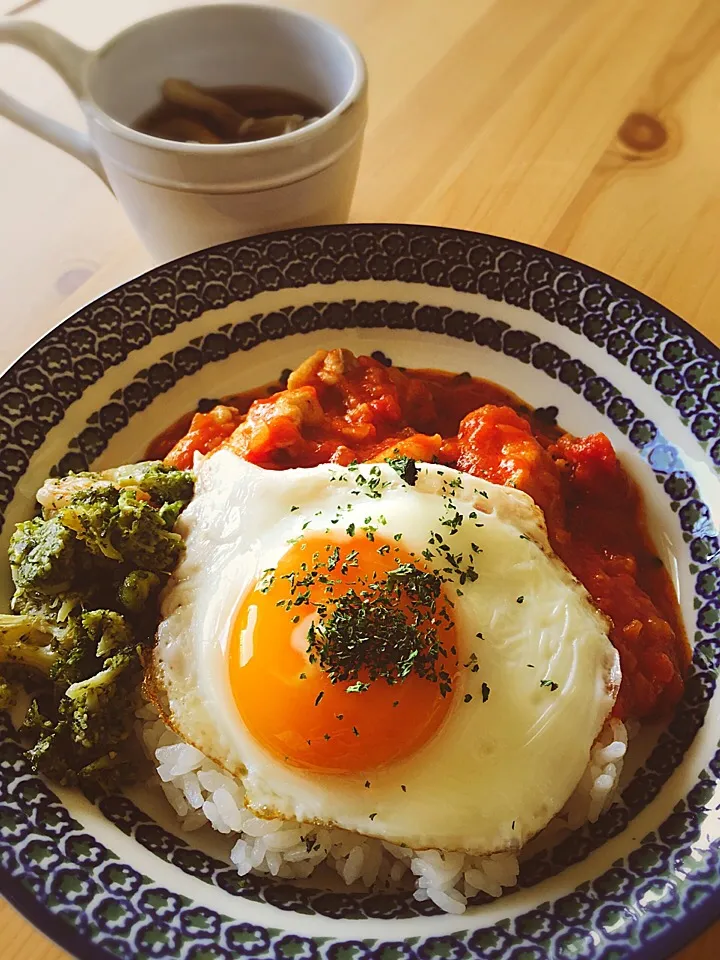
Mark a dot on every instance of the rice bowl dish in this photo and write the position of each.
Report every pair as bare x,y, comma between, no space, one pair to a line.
171,858
370,609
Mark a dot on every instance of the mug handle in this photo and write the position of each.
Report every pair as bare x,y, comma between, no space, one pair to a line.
69,61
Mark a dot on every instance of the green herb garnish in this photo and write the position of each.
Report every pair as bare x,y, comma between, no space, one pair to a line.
383,629
406,469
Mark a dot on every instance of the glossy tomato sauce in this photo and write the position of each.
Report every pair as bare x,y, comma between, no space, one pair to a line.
339,408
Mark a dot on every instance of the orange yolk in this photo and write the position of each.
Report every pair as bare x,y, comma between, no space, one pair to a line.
291,706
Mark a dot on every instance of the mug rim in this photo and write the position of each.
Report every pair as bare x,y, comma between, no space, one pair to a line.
354,94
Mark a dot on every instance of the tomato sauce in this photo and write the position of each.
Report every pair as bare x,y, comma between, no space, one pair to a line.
340,408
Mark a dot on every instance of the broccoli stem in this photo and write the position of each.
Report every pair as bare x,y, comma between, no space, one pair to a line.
24,642
25,630
98,683
28,655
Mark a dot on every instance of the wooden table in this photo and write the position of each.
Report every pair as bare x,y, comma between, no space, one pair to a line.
586,126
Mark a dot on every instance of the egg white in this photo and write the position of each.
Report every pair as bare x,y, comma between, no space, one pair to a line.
495,772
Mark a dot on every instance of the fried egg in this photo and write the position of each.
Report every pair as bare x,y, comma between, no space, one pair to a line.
476,755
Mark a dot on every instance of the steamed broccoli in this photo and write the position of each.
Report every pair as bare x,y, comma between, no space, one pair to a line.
90,515
169,512
70,655
87,577
42,555
162,484
117,525
108,631
36,723
82,739
143,537
25,643
52,611
95,687
137,588
91,706
27,657
51,754
27,630
78,658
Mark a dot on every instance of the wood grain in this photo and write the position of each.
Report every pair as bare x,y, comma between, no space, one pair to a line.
586,126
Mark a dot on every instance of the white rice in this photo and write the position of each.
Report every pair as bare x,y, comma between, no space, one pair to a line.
201,793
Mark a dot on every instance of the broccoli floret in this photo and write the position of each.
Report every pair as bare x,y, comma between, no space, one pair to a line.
25,642
91,514
117,525
35,723
162,484
95,635
145,540
53,611
97,708
51,753
77,739
169,512
98,688
28,630
41,659
17,675
78,659
42,555
137,588
107,630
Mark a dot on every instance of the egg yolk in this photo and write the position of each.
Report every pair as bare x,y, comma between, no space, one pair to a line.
290,705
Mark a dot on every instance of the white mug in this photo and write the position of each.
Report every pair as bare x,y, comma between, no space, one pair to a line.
184,196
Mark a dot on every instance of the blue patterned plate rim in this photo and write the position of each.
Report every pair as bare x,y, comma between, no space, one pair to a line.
61,933
697,917
560,259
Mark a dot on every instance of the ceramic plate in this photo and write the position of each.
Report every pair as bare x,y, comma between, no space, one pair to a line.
116,880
